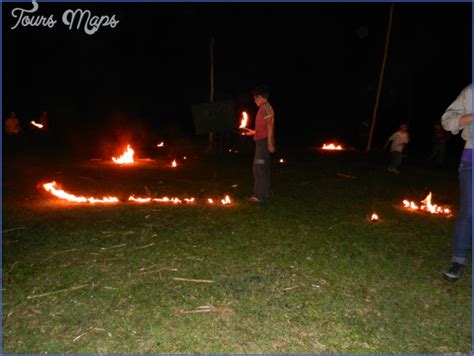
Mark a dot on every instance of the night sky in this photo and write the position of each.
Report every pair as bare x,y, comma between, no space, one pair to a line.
321,62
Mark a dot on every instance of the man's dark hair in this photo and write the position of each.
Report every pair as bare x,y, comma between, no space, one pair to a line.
261,90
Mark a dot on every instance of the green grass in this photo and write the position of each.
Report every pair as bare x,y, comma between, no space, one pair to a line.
305,274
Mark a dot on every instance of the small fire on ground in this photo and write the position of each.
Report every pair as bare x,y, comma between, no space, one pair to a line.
374,217
332,147
55,189
34,123
126,157
427,205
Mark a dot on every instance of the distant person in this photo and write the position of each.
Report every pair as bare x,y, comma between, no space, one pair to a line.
440,137
43,120
399,139
264,138
12,125
363,133
458,117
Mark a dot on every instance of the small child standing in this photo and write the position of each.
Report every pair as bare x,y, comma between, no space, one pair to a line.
399,140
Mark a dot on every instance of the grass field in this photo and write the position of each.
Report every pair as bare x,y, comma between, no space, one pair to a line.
307,273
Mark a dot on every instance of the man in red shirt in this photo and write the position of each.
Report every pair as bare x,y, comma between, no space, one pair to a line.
264,138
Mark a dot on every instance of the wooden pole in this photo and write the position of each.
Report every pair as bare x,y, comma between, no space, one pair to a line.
379,88
211,96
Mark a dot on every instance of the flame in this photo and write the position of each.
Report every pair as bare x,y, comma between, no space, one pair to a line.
374,217
226,200
126,157
168,200
282,160
54,189
185,158
427,205
139,200
174,164
161,144
243,122
331,146
161,200
40,126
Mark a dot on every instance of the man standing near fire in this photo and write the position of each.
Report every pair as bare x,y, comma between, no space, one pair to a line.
264,138
458,117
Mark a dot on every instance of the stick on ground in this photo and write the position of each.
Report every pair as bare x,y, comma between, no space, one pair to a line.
193,280
57,292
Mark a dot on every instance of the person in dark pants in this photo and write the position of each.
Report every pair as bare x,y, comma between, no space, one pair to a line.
440,137
458,117
264,138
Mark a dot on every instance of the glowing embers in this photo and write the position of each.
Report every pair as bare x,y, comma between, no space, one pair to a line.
225,201
374,217
37,125
126,157
54,189
332,147
428,206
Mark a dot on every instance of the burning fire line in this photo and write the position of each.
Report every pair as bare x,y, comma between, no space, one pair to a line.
427,205
126,157
332,146
54,189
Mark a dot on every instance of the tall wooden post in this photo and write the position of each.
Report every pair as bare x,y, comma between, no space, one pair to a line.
379,88
211,97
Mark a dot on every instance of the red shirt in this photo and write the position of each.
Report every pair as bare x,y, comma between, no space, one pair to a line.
265,111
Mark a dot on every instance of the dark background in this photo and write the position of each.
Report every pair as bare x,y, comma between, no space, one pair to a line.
321,61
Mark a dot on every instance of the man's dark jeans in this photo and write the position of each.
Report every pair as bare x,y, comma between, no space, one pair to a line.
261,170
463,229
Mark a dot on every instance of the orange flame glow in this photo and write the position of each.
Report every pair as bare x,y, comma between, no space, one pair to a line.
427,205
126,157
331,146
282,160
161,200
374,217
139,200
161,144
54,189
243,122
174,164
40,126
210,201
226,200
